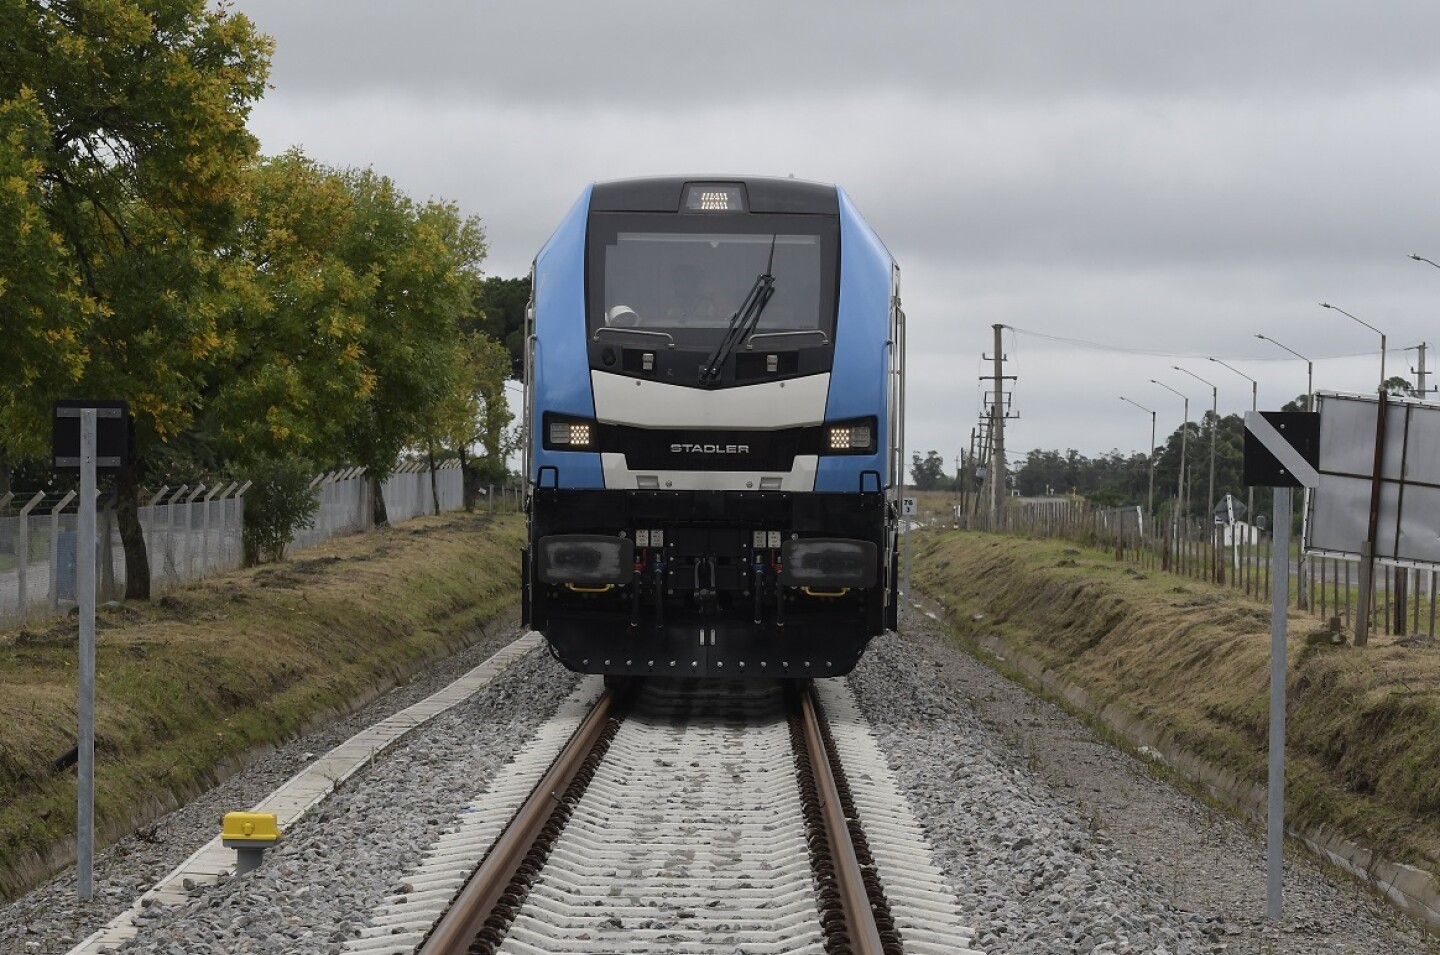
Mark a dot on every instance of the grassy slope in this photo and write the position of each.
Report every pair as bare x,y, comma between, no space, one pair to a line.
190,684
1363,734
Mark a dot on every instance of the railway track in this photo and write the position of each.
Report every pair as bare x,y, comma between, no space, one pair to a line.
685,817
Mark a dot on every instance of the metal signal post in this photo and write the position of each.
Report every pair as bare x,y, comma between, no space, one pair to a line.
85,592
88,437
1282,450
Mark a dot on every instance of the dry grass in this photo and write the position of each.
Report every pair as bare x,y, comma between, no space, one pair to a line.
192,682
1363,740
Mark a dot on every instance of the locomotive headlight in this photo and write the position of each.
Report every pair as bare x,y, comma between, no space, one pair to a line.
713,197
563,433
852,436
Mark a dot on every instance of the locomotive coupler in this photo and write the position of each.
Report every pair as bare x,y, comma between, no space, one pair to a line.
635,592
706,595
779,600
758,586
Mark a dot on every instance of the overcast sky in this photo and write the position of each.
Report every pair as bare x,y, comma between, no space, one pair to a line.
1162,180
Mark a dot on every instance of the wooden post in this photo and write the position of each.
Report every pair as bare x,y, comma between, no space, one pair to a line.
1347,594
1220,553
1432,603
1402,599
1415,589
1389,599
1367,549
1335,587
1322,591
1242,569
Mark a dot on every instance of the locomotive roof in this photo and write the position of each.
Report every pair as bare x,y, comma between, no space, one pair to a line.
662,194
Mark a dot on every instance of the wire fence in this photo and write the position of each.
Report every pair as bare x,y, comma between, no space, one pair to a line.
190,533
1238,556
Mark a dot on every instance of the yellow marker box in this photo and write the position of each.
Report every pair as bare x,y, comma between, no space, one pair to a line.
249,827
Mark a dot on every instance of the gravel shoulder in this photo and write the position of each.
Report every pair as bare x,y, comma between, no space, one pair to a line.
1114,858
1056,841
51,919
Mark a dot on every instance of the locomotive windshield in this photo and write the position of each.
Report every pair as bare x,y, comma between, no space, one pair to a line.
688,278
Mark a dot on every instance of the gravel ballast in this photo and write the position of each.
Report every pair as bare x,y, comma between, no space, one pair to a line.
1060,843
1054,841
51,919
319,887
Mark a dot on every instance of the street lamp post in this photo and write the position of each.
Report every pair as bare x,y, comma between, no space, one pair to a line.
1373,329
1367,550
1421,370
1214,426
1184,435
1309,372
1301,590
1150,506
1254,406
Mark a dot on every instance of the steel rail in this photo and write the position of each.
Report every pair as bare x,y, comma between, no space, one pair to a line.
477,901
860,925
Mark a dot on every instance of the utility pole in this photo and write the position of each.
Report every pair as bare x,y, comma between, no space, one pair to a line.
1420,372
982,453
998,409
971,478
997,428
959,504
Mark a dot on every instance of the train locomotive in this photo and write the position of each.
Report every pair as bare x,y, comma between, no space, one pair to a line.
714,403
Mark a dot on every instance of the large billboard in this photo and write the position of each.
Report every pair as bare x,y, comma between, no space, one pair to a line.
1407,529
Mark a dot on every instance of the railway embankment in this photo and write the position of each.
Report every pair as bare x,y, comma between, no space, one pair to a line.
194,684
1179,671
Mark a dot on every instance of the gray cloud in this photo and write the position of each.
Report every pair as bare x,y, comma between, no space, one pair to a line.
662,51
1151,176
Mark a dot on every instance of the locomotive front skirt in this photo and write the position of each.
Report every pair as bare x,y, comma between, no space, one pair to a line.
714,392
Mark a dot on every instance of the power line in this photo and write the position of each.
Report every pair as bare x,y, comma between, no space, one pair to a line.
1099,346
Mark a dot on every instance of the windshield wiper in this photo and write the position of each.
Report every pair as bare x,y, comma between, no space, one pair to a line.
744,321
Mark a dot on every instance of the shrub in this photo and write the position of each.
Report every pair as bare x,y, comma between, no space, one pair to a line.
279,503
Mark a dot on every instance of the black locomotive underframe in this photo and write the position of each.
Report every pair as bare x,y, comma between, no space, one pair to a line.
708,602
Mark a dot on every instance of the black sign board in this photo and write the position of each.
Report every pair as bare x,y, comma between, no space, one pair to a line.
112,435
1282,448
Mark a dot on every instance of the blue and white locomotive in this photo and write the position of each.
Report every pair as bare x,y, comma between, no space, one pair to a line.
714,399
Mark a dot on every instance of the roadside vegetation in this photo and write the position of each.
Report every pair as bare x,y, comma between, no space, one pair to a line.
189,685
248,308
1192,661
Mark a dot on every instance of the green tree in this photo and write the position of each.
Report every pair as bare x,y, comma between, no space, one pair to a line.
928,474
425,261
42,306
1399,387
488,364
294,328
142,108
498,311
345,303
474,412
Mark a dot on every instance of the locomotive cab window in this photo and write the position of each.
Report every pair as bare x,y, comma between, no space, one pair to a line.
688,277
